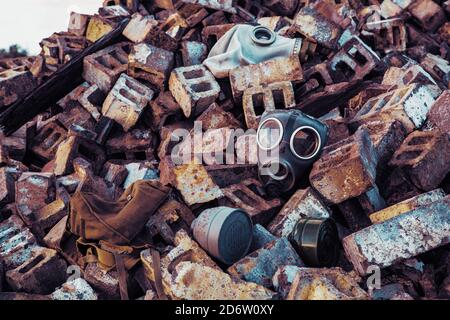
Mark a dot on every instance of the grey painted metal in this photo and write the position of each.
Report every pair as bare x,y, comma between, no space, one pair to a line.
225,233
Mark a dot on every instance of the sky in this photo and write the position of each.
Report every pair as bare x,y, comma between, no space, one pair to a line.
27,22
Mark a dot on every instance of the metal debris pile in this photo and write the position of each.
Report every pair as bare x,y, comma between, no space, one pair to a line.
375,72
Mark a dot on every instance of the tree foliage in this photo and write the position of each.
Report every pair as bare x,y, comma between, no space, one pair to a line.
14,51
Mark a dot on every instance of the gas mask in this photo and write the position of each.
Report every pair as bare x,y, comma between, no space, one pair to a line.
245,44
289,142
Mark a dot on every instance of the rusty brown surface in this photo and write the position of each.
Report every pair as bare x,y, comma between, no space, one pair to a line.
424,157
377,73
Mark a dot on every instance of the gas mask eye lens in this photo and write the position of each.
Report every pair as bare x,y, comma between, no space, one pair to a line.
305,142
269,134
263,36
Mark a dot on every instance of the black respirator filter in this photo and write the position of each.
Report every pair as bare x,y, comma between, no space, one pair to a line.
316,241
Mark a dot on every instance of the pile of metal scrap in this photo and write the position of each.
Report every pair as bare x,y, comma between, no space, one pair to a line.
375,205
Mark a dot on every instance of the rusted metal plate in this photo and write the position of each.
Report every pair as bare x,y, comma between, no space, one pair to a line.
78,289
326,284
113,112
425,157
407,205
195,184
400,238
196,282
260,266
271,71
194,88
346,169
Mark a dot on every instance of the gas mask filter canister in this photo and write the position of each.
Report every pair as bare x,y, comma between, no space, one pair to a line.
316,241
288,144
225,233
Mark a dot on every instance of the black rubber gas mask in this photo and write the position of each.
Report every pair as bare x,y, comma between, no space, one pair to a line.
289,142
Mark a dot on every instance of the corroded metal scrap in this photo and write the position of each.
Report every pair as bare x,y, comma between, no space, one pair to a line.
326,284
117,96
259,266
195,184
185,249
401,237
214,284
407,205
188,273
